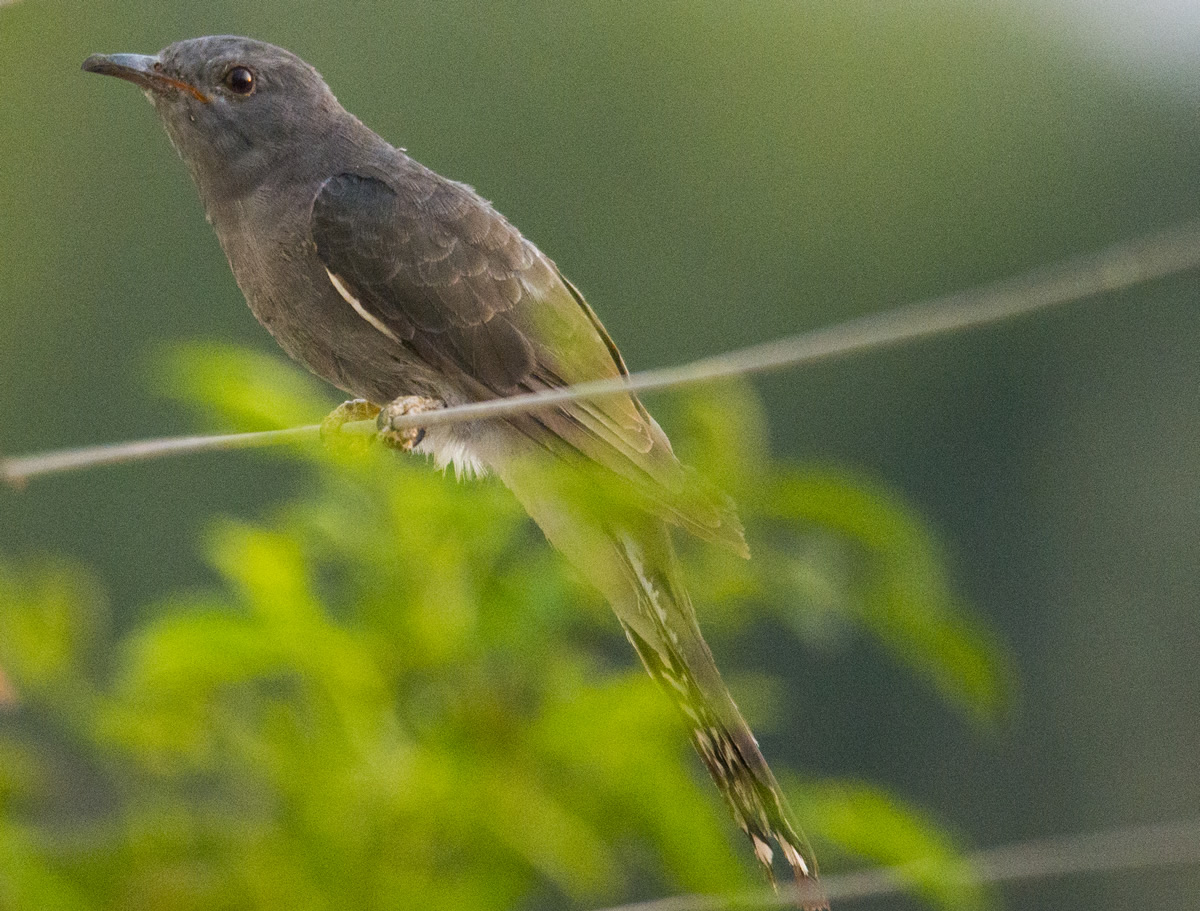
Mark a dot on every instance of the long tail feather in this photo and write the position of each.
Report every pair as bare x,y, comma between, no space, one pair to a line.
638,573
668,641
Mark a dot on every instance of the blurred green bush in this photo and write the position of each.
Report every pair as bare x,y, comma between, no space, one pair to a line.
399,697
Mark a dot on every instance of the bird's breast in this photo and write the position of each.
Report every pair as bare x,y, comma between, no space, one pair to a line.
267,241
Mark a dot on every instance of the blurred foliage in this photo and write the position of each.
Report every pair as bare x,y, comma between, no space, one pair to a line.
863,821
393,698
834,552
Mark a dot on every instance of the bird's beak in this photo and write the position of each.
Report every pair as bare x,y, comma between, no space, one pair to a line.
140,70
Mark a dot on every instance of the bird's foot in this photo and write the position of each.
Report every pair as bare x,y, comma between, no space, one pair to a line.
404,438
345,413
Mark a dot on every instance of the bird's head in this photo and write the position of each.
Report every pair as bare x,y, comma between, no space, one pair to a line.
234,108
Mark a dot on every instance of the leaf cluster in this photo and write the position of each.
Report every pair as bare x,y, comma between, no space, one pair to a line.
397,695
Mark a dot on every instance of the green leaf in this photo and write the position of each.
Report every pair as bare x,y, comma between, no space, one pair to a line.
902,594
27,880
51,614
239,389
869,823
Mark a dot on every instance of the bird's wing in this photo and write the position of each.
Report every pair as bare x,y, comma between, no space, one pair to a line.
433,265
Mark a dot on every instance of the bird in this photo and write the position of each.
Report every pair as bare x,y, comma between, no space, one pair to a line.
410,292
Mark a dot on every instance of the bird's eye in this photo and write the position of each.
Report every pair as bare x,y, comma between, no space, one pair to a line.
240,80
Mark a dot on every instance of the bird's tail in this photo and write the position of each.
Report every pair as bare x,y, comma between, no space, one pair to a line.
631,559
660,622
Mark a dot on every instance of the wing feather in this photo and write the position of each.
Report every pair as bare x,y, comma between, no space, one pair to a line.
447,274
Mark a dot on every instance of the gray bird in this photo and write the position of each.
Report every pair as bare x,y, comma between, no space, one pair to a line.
410,292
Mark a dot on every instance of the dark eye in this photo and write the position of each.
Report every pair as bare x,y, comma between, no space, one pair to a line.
240,80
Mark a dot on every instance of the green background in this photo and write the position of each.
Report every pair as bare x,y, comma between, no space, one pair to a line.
714,174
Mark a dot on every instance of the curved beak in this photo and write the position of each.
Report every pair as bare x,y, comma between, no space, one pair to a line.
142,71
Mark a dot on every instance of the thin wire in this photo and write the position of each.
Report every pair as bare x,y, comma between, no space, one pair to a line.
1116,268
19,471
1121,266
1116,851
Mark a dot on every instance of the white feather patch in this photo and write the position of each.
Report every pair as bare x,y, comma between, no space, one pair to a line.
359,308
762,850
794,858
453,453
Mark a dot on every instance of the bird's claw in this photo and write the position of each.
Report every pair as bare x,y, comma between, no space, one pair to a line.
404,438
346,413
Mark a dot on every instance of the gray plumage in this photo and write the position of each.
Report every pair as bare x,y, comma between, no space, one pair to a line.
390,282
